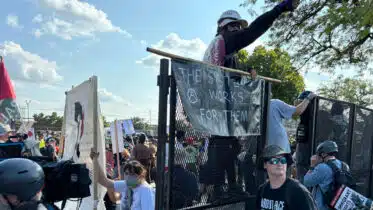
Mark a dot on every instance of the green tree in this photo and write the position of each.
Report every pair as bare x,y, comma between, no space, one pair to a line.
52,122
106,123
140,123
357,91
275,63
329,33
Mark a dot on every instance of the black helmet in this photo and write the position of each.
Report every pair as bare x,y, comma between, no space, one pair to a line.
327,147
304,95
274,150
21,177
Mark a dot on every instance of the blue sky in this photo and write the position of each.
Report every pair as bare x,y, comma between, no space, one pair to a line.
50,45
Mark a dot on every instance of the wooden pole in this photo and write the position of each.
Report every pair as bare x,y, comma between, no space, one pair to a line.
95,142
173,56
117,146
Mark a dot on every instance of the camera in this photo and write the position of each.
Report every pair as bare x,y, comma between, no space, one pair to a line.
63,180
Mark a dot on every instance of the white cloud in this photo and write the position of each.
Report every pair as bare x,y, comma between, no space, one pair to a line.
106,96
12,21
26,66
143,43
173,43
38,18
76,19
37,33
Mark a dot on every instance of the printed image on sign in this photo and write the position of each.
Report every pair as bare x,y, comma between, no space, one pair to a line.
79,134
128,127
217,103
346,198
118,138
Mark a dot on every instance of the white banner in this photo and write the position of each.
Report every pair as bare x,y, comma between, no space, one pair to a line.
79,135
118,138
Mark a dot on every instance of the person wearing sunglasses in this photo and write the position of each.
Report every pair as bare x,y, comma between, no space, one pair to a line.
280,192
234,33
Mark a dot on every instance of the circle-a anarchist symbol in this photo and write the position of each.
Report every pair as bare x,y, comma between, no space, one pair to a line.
192,96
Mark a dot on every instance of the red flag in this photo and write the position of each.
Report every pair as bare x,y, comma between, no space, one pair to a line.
8,108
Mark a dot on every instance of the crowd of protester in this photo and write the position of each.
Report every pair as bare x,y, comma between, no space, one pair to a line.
209,169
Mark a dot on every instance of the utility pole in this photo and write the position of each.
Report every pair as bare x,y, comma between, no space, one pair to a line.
150,117
28,109
23,112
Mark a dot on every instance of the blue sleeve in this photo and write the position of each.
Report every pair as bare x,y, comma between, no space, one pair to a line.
147,199
316,176
285,110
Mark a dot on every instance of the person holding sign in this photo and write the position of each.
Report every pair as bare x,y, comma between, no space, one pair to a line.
234,34
322,173
136,193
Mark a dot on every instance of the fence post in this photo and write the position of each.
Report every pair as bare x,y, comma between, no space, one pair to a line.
371,169
351,133
172,129
263,138
312,134
164,84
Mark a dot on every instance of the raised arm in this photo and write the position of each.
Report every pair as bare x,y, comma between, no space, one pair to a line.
303,105
235,41
102,178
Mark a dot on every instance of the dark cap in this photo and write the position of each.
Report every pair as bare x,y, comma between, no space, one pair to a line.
273,151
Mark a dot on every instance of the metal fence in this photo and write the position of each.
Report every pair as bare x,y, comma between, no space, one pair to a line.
351,127
226,175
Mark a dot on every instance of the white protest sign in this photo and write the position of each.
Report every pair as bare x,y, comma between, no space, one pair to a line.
129,129
82,112
344,199
119,137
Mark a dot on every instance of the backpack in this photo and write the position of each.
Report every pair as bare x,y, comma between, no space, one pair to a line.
341,177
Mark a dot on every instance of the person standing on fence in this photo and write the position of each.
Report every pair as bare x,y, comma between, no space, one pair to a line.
234,34
280,192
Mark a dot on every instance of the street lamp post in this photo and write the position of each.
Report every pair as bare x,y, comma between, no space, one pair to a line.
28,109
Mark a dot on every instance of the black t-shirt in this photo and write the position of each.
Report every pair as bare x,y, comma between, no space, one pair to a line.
290,196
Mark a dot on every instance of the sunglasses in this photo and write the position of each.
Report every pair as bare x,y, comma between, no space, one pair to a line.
276,161
234,26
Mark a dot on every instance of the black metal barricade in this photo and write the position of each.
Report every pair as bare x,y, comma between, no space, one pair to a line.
351,127
201,160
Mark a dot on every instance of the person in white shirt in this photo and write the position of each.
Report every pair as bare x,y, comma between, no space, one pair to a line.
136,193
